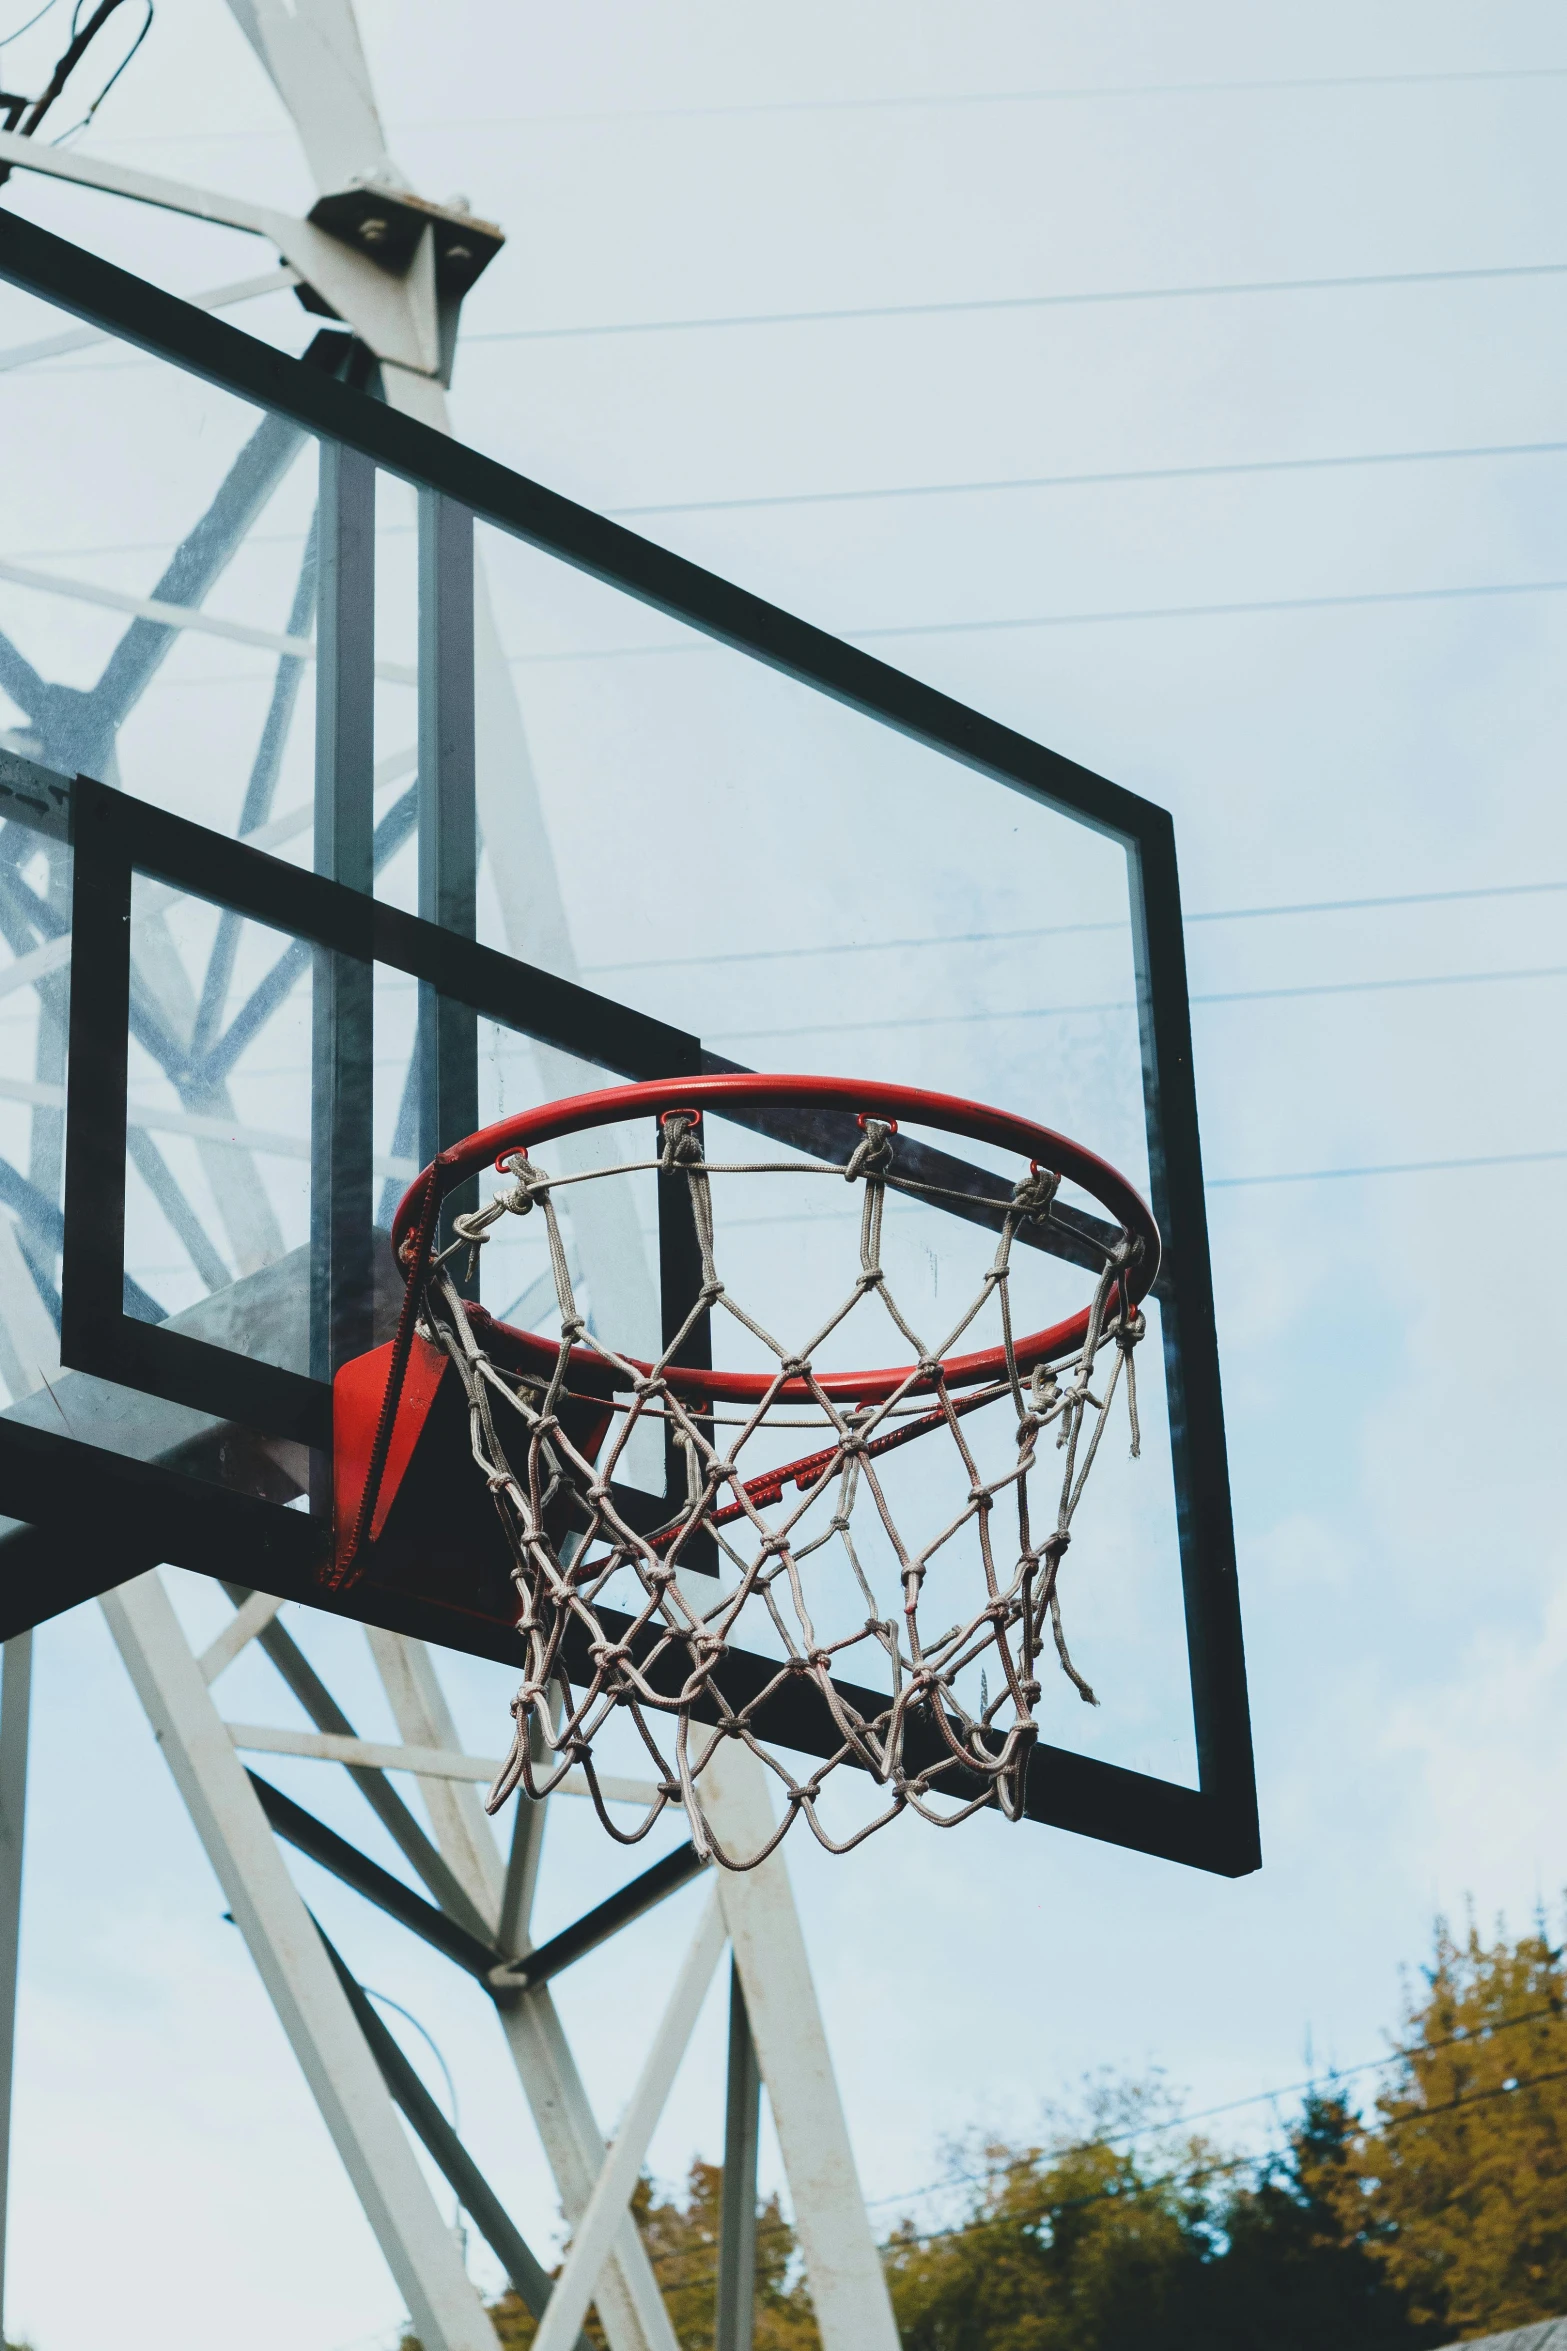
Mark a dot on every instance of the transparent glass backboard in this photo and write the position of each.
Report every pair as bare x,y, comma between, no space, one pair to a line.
721,846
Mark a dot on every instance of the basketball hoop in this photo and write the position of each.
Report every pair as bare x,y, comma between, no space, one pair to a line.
549,1421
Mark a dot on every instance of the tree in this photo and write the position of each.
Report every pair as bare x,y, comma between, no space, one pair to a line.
1300,2267
1076,2246
682,2244
1464,2174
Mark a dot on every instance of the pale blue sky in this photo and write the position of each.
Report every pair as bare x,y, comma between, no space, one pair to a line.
1392,1352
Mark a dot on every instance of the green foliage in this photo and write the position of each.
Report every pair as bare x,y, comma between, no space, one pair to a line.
1090,2245
1079,2245
1464,2174
1302,2265
682,2244
1442,2216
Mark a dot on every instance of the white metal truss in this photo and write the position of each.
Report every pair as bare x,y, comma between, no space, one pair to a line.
753,1914
312,52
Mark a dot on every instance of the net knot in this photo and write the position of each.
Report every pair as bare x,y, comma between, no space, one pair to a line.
1033,1196
680,1144
873,1152
529,1184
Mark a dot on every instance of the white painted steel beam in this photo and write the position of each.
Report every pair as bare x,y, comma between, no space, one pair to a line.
462,1830
593,2235
435,1763
394,315
183,616
355,2104
842,2267
629,2302
241,1629
16,1669
632,2308
275,281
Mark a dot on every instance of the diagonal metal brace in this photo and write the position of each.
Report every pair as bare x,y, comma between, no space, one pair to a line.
302,1830
655,1885
495,2224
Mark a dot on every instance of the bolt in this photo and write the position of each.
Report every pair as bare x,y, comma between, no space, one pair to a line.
373,230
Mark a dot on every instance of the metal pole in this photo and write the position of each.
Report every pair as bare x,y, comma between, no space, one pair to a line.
594,2231
842,2267
340,1197
16,1673
736,2325
448,831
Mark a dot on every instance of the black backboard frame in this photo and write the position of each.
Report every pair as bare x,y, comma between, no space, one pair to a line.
84,1497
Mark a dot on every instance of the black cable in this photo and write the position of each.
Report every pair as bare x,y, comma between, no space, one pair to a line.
937,1020
705,2263
940,101
1331,1175
27,25
1080,481
696,644
1339,2073
27,120
1478,452
1200,2173
1075,929
703,2260
146,27
998,302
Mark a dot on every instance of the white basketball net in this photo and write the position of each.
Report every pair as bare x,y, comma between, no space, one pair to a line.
781,1542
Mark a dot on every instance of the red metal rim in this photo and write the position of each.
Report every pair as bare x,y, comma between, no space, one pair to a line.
742,1089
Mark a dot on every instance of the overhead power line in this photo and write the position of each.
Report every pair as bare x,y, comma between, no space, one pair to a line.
1068,620
1001,302
1002,1012
1403,1167
694,2263
1102,480
1064,930
932,101
696,644
281,280
954,100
